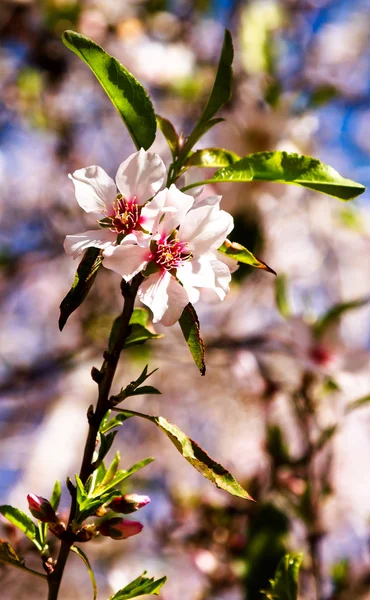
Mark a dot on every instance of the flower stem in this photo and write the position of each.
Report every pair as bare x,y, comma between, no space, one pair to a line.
107,373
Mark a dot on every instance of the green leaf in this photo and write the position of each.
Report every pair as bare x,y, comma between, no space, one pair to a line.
89,507
83,556
281,296
221,91
286,167
285,584
170,134
209,124
197,457
106,442
83,281
243,255
140,316
189,324
98,476
115,422
143,377
139,335
111,472
359,403
41,533
121,476
132,388
145,389
81,492
91,496
9,556
220,94
212,157
124,91
140,586
334,313
200,459
55,496
22,522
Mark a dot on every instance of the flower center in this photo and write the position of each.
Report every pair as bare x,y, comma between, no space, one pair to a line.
171,254
126,215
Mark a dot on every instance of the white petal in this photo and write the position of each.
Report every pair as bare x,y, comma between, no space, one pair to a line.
193,294
190,281
197,273
127,259
206,272
209,201
95,190
166,211
165,296
206,228
142,175
98,238
222,278
232,263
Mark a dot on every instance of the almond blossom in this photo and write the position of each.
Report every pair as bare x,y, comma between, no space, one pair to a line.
180,257
138,179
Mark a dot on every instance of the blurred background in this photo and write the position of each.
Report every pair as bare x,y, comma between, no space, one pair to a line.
278,406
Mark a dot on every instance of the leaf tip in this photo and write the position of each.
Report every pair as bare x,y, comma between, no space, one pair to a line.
267,268
66,35
61,322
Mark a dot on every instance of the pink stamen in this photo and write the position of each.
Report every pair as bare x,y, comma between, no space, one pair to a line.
125,217
171,254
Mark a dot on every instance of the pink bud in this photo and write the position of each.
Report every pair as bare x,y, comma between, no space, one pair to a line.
41,509
128,503
119,529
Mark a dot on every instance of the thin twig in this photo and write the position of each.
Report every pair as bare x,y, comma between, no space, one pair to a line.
107,373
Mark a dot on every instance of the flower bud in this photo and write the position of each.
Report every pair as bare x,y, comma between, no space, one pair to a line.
41,509
58,529
119,529
128,503
85,534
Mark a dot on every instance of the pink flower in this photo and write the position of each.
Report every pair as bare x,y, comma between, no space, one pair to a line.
181,256
41,509
119,529
128,503
138,179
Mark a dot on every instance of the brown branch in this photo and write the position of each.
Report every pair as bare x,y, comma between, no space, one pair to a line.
105,380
